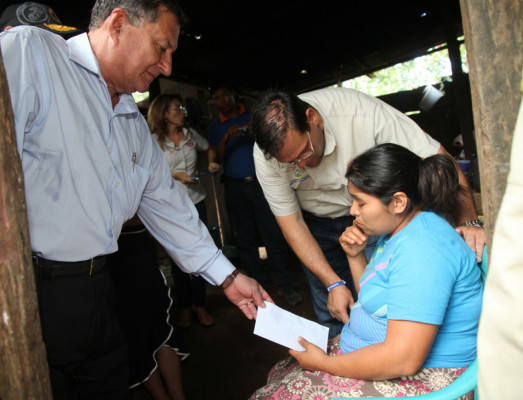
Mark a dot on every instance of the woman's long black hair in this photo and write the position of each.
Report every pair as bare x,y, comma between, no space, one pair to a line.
431,184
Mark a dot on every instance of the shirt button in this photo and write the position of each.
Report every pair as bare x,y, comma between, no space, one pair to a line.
110,149
117,184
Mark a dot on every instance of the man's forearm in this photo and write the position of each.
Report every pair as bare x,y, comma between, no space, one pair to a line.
306,248
220,151
467,210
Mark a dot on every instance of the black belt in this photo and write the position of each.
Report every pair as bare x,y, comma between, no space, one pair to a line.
133,229
51,269
246,179
307,214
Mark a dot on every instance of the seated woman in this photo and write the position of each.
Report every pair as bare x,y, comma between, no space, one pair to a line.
413,329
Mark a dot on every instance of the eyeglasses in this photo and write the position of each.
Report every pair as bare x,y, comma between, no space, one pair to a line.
306,155
301,157
176,108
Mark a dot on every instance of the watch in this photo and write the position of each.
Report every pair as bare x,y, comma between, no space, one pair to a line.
474,222
230,278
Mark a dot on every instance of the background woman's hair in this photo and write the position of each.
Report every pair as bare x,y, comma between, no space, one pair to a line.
431,184
156,118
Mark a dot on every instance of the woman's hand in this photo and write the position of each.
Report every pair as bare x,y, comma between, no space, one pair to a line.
405,349
353,241
313,358
183,177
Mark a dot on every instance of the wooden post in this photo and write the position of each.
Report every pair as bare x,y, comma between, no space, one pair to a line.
23,365
461,92
494,40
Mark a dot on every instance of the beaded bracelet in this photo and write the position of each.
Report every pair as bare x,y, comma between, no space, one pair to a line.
336,284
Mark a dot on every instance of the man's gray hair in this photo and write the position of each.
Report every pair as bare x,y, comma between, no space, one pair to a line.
139,12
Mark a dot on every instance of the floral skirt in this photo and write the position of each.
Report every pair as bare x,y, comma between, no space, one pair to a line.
288,381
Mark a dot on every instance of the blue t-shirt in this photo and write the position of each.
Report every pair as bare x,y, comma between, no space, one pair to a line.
424,273
239,161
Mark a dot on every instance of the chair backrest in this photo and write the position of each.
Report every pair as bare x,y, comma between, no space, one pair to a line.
484,264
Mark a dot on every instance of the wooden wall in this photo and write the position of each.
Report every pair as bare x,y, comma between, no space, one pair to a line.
494,40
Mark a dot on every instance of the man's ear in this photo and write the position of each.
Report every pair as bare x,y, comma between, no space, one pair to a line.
399,202
116,21
312,116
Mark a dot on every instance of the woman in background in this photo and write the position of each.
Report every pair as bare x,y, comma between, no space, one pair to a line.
143,302
166,118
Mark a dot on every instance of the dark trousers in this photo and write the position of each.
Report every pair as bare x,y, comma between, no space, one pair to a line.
249,213
327,232
189,289
86,351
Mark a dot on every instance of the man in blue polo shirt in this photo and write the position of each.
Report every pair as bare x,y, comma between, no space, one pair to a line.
248,210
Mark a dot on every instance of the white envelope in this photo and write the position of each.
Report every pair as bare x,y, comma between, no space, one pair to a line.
284,327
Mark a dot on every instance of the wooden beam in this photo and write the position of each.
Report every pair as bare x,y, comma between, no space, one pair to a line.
23,365
494,41
461,92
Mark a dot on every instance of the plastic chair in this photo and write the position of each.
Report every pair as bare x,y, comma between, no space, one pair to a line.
467,381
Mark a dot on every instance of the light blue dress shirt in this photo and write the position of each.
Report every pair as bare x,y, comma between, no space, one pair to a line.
89,168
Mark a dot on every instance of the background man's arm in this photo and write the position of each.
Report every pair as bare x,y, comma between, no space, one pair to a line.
475,237
221,149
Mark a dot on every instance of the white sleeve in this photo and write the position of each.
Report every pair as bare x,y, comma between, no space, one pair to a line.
278,192
201,143
27,79
391,126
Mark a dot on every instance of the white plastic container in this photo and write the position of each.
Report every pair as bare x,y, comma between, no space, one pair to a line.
430,96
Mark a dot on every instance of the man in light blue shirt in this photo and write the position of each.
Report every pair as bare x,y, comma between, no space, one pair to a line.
89,165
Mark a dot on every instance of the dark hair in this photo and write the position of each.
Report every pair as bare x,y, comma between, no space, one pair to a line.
431,184
274,114
155,116
220,85
138,11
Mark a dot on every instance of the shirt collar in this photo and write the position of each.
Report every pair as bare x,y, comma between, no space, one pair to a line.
242,110
186,138
330,140
81,52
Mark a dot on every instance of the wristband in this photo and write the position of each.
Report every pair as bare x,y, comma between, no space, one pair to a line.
336,284
230,278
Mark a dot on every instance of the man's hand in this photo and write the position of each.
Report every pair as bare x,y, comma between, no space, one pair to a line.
237,130
246,293
312,358
475,237
340,299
